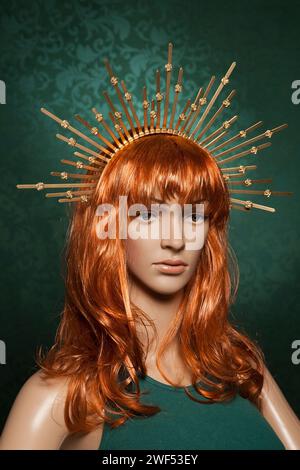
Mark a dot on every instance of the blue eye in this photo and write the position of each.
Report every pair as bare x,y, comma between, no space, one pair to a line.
146,214
150,216
199,218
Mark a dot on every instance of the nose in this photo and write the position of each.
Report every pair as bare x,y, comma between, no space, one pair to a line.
172,232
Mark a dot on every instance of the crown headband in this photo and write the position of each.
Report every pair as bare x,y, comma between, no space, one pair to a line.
189,124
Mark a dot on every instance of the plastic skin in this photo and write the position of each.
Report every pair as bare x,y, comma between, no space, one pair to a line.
36,420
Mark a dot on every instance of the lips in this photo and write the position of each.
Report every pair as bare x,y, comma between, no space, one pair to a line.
172,262
171,267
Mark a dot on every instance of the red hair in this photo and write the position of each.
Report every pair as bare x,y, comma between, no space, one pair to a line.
96,341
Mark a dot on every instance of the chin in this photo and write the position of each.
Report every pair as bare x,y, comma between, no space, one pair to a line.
167,288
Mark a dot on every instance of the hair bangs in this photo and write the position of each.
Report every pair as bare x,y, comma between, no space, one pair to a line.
167,167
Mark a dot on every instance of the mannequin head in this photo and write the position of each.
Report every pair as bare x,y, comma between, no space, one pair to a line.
144,254
98,325
174,170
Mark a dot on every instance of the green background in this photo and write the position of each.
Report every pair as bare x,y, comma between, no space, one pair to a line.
51,55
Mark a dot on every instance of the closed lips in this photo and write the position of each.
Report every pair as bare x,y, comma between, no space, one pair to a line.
172,262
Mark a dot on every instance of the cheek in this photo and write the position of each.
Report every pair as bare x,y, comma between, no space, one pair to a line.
193,259
139,246
138,253
193,255
195,239
133,250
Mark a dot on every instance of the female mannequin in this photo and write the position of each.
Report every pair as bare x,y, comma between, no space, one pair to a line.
113,286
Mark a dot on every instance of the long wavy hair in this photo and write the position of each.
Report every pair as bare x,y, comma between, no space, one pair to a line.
96,346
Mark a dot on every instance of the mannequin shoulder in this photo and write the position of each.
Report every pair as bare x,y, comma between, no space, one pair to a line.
279,414
36,419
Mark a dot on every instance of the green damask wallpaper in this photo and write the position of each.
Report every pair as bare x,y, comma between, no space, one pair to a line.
52,55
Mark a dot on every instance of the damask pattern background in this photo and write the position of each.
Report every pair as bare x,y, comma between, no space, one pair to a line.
52,56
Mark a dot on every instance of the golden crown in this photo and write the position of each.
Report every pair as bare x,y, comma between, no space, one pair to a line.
191,123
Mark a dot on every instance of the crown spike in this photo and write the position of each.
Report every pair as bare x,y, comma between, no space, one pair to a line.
69,194
177,90
192,110
241,168
65,124
117,115
253,150
224,81
89,159
223,129
249,205
228,177
265,192
65,176
267,133
152,116
159,98
73,143
80,165
218,137
84,198
240,135
182,116
168,68
99,118
193,113
95,131
40,186
114,82
278,128
117,126
202,102
145,106
225,104
128,97
248,181
235,206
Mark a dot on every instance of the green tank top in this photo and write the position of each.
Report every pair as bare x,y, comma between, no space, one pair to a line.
183,424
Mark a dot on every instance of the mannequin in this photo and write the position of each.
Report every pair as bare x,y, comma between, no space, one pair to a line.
125,313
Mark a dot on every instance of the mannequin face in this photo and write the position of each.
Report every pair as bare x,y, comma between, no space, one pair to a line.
143,254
